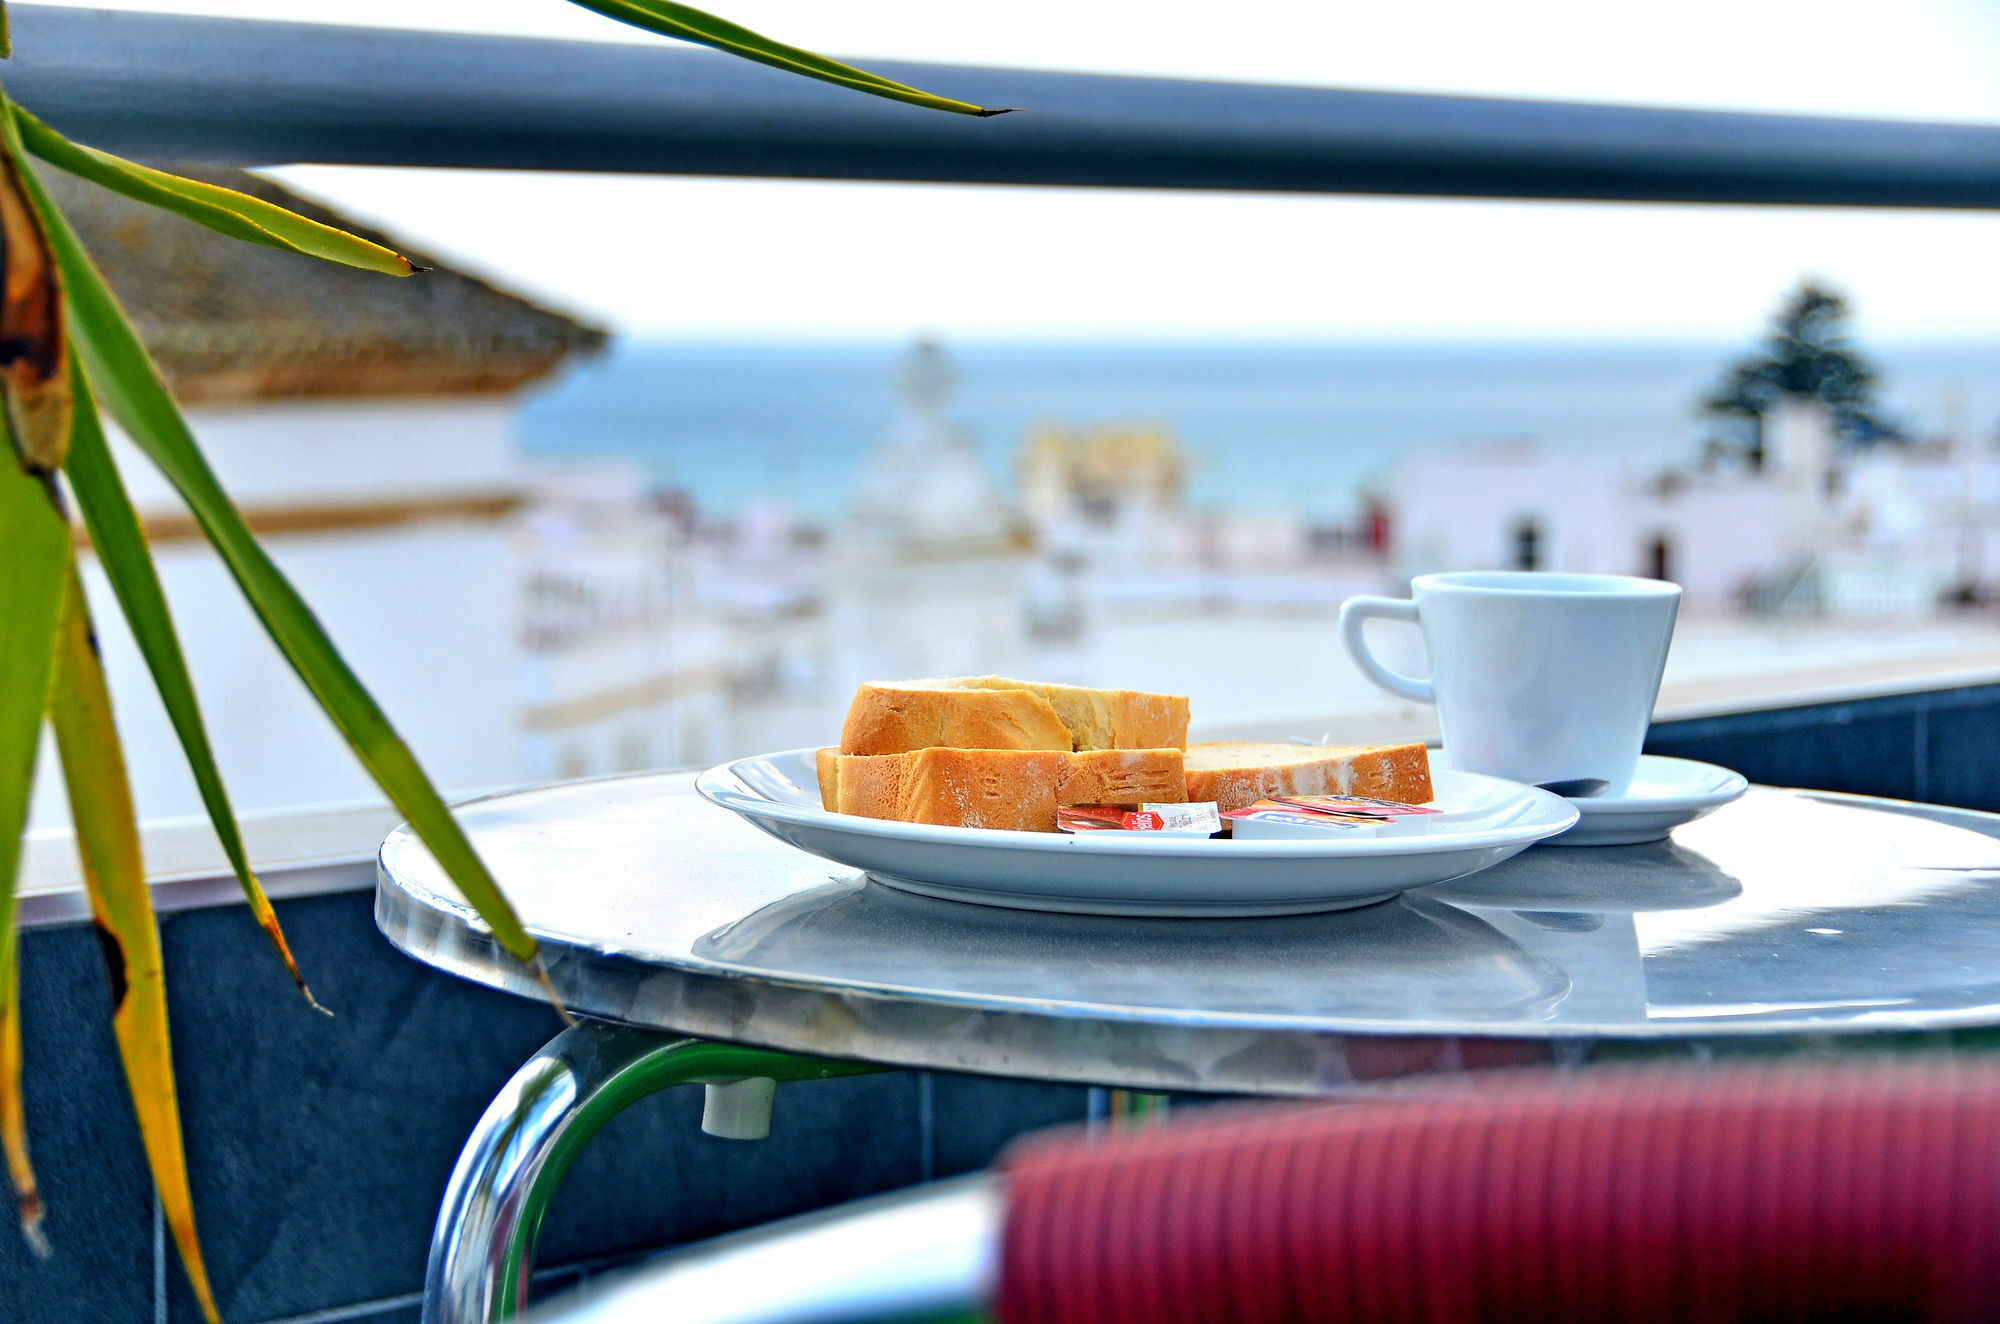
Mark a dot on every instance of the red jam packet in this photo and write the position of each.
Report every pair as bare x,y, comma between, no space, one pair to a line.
1266,811
1199,818
1341,808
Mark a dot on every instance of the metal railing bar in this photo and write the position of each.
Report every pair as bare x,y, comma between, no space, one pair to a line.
252,92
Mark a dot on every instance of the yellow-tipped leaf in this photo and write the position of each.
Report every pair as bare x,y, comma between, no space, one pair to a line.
121,548
13,1109
34,548
223,210
107,842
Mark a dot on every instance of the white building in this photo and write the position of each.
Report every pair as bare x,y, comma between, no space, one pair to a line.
926,575
621,666
1889,531
365,426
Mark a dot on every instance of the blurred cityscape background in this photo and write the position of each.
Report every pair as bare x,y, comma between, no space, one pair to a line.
568,530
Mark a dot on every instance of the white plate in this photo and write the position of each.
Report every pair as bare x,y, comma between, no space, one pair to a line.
1665,793
1126,873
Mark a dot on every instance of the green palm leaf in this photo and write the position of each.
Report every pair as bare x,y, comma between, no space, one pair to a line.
121,904
127,382
121,548
34,547
690,24
223,210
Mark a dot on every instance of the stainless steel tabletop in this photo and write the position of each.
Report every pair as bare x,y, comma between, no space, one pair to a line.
1785,913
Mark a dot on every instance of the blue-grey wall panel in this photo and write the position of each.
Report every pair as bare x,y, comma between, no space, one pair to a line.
84,1144
320,1146
1940,746
1854,748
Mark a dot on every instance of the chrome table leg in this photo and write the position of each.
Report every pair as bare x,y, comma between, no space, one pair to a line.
484,1246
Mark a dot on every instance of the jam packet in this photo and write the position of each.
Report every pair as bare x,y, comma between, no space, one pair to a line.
1358,808
1197,819
1309,816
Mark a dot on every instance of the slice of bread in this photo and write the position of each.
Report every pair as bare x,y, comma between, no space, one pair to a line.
923,714
1017,789
1122,777
1235,774
992,712
1104,719
828,761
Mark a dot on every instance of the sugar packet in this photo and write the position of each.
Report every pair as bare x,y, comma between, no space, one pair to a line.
1197,819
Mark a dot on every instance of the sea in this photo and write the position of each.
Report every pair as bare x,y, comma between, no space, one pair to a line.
1285,427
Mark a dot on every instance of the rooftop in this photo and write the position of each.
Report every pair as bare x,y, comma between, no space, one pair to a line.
230,322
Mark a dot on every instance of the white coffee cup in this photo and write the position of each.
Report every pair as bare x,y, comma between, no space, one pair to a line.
1537,677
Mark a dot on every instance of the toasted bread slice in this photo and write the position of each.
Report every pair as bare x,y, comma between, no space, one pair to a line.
1104,719
1236,774
989,788
1122,777
1019,789
992,712
828,761
923,714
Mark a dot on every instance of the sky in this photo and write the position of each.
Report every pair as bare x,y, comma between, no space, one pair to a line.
786,259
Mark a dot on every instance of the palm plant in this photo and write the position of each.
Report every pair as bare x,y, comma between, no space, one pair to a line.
65,347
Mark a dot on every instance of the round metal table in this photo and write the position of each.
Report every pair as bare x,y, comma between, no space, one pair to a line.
1785,914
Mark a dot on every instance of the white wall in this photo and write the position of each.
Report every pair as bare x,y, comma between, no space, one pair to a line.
1457,509
424,613
332,450
943,618
1720,537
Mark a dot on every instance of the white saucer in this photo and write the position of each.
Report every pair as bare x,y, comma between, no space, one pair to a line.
1664,794
1483,820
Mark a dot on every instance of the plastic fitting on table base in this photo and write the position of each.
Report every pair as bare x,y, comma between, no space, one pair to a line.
483,1248
738,1109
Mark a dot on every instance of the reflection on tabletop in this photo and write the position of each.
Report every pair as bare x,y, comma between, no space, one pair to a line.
1419,956
1757,914
1786,910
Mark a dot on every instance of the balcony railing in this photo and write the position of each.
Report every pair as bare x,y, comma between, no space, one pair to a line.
259,93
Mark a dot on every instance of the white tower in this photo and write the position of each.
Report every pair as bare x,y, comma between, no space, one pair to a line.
930,571
924,489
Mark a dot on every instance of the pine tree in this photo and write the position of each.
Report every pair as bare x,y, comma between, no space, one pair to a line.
1807,355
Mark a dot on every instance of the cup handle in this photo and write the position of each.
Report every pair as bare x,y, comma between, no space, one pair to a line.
1353,612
